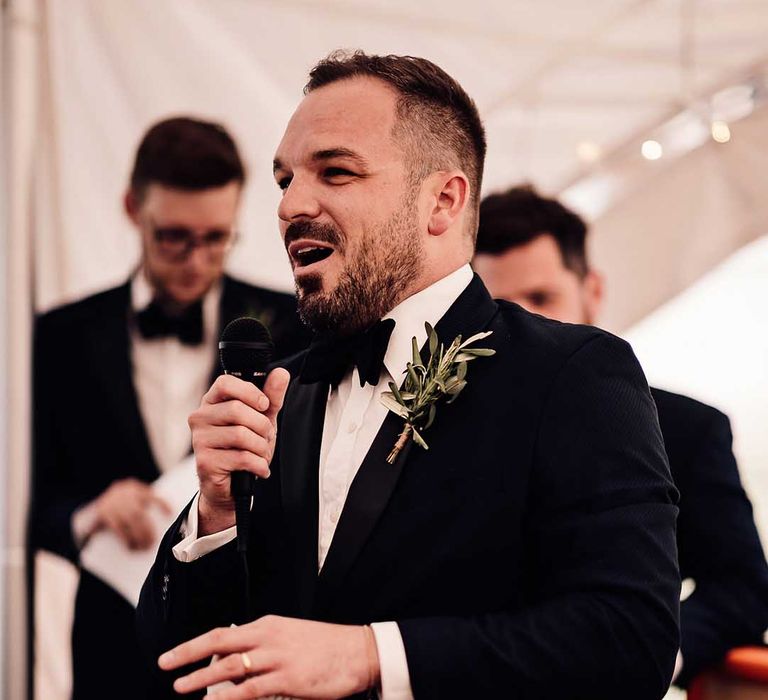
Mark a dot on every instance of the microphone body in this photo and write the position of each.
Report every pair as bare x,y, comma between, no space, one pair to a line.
246,350
242,483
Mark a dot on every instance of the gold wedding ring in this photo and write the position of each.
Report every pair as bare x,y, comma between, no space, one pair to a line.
247,665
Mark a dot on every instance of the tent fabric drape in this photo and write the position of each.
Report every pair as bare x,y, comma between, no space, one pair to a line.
21,53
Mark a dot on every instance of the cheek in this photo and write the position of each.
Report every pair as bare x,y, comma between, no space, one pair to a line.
570,310
158,266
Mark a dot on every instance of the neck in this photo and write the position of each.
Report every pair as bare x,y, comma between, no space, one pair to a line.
427,280
171,306
431,274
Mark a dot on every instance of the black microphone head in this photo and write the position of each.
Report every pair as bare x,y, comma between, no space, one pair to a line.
246,349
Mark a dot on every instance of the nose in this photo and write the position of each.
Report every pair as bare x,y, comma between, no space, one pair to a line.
198,259
299,201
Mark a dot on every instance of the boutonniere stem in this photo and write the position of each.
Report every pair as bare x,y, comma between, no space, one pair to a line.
441,377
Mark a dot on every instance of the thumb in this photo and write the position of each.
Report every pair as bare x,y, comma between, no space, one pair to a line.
275,388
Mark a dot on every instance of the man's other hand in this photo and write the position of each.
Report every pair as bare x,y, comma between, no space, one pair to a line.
280,656
124,509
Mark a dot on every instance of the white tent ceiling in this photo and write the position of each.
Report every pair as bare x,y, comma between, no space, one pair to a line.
548,76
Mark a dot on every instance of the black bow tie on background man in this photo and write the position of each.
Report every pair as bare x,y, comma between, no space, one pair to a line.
154,322
330,356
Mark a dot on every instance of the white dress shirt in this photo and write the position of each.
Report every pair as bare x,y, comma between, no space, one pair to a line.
353,417
170,378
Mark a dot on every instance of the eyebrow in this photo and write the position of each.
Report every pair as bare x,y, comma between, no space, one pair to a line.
328,154
340,152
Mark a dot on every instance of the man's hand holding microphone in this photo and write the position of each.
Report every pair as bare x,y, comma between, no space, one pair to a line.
234,429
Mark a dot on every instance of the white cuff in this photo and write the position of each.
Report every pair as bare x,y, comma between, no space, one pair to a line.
192,547
84,523
678,666
393,664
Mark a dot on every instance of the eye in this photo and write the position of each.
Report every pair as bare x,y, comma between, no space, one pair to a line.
336,173
216,237
539,299
172,235
283,182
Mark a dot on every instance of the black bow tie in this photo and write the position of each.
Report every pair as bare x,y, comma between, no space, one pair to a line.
153,322
330,356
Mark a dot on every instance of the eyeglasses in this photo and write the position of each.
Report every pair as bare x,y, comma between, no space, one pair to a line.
177,242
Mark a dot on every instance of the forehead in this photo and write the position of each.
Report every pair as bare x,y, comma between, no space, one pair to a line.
214,206
355,113
536,263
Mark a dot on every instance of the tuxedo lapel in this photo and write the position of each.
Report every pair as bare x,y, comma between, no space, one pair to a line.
368,495
231,306
376,479
111,363
303,416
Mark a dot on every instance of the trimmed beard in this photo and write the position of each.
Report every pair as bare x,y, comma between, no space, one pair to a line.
371,285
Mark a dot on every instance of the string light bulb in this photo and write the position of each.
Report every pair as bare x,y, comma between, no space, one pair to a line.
589,151
721,132
651,150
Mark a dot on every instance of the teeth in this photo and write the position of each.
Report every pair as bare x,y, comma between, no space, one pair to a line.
311,254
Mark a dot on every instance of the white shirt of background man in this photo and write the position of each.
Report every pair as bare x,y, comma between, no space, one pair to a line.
170,378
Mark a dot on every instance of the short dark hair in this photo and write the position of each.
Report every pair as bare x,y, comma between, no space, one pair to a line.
513,218
432,109
186,154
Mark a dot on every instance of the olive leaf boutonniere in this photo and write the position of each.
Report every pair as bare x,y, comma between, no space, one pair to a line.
442,376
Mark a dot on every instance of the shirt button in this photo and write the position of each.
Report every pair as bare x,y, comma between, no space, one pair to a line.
352,427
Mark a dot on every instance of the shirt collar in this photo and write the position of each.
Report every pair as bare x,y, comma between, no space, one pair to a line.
429,305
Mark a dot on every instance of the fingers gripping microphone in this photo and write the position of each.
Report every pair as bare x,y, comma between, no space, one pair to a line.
245,349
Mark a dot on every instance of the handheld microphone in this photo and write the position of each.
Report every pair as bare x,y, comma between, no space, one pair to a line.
245,350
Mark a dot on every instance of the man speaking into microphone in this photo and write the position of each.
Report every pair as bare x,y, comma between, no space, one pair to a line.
482,510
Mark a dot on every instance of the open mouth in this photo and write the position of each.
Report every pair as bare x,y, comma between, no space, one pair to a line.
304,253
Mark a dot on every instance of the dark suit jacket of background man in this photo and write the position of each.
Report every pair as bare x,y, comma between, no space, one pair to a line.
718,544
529,553
89,432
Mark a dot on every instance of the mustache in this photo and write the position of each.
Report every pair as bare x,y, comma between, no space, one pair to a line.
323,233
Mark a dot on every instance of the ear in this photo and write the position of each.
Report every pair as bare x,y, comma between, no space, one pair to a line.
451,194
593,289
131,206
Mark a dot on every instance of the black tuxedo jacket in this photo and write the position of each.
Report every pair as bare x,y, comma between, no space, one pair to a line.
717,541
88,432
529,553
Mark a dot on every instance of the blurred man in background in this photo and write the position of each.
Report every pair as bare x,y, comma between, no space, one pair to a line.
141,355
532,251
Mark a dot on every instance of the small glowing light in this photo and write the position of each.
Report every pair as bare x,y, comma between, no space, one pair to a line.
589,151
651,150
721,132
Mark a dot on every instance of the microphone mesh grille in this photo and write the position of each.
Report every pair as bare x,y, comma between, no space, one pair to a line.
257,356
246,329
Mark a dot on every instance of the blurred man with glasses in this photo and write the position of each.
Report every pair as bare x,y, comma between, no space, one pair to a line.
117,374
